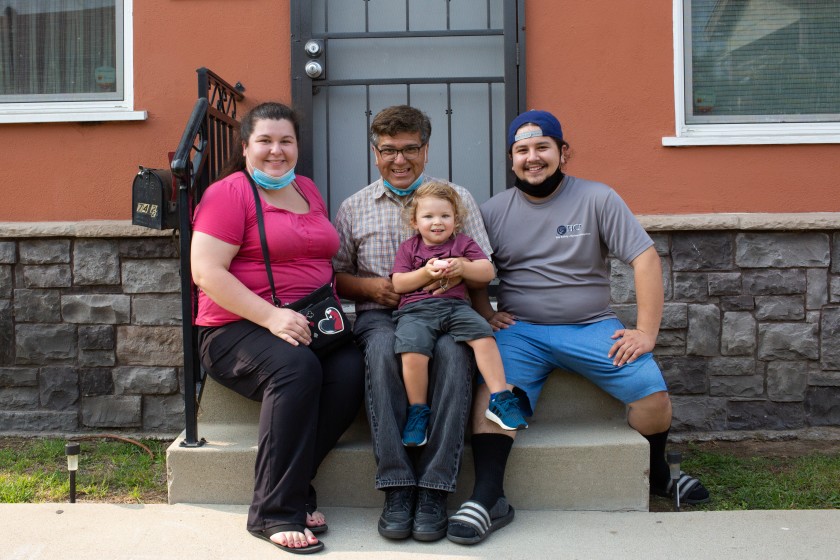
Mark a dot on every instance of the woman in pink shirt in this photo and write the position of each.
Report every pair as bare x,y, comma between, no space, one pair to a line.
259,350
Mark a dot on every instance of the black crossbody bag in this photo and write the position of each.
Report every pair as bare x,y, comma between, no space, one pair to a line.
327,322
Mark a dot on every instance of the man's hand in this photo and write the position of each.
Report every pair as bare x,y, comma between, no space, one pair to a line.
501,320
381,291
631,344
437,287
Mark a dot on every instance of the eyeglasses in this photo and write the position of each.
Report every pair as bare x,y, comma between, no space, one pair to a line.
390,154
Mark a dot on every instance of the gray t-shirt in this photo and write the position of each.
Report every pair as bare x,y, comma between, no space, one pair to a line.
551,257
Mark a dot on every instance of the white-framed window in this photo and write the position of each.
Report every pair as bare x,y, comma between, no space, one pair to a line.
756,72
66,60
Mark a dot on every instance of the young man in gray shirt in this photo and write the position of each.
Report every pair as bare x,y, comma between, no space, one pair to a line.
550,238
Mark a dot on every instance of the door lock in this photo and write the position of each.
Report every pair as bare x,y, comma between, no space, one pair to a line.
313,69
314,48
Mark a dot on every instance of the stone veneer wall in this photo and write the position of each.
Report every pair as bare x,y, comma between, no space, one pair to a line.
90,334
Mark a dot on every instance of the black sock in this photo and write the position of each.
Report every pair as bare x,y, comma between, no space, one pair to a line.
659,472
490,455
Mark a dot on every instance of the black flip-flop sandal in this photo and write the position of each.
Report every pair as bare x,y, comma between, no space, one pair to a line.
266,534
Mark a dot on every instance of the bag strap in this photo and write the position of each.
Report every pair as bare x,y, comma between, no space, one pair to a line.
263,241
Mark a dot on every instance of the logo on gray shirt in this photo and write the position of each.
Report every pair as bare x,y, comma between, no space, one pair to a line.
570,230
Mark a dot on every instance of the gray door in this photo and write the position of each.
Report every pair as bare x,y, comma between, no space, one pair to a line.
457,60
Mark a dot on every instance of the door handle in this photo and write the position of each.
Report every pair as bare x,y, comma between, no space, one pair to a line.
313,69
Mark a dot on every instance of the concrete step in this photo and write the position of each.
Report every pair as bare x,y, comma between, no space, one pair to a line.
578,454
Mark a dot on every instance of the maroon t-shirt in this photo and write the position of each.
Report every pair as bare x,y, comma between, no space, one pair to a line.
414,253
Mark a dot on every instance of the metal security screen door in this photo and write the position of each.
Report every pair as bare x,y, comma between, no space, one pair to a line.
457,60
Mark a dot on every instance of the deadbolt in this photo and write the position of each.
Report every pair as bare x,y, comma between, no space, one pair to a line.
314,48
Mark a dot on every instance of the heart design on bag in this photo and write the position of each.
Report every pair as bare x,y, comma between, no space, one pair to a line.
332,322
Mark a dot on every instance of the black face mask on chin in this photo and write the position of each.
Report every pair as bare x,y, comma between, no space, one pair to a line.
543,189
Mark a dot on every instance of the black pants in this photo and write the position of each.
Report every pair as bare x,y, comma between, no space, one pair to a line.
307,403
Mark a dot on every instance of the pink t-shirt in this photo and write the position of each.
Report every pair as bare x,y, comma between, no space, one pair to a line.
413,254
300,246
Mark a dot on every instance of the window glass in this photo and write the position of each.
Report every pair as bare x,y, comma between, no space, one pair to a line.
61,50
762,61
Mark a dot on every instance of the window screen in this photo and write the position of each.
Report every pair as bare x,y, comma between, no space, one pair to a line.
60,50
762,61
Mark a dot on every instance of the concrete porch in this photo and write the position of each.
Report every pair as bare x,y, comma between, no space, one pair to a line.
578,454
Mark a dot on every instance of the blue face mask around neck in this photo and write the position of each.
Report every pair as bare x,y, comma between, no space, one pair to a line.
271,183
402,192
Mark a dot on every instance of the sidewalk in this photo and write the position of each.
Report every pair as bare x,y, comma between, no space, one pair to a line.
111,531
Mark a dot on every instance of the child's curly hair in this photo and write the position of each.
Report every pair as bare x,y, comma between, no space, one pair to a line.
437,189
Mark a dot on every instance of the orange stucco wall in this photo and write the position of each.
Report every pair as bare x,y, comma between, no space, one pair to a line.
605,67
70,171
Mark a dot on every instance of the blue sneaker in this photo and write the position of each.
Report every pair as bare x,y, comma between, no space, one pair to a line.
504,410
414,433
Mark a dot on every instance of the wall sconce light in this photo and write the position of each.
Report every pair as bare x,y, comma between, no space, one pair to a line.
72,452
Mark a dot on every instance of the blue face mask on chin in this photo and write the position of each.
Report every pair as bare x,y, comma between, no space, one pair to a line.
402,192
271,183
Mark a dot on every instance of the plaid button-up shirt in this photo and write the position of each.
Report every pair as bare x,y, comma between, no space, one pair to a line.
370,228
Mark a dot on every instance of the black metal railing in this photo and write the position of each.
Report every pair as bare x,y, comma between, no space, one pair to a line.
207,142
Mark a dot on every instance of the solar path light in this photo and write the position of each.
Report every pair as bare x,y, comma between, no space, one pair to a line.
72,452
674,459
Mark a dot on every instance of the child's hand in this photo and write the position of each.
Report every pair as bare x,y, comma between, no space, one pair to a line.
454,267
434,269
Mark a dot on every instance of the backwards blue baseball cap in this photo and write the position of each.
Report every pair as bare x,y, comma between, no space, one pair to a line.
548,123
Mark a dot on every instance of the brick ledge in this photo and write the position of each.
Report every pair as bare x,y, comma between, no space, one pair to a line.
659,222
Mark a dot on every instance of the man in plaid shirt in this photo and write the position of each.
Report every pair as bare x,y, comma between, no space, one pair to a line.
371,228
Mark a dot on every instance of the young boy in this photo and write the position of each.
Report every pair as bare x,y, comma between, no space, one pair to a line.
438,252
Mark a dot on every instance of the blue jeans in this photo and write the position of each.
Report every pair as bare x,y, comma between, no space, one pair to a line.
450,395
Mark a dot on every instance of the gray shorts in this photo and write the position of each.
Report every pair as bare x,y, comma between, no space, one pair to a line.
419,324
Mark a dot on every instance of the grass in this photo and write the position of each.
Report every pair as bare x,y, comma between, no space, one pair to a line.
807,482
744,481
739,475
35,470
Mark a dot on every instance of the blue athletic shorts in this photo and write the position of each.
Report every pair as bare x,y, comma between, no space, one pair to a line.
531,352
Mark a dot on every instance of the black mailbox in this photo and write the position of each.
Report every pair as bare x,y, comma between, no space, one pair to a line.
154,199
